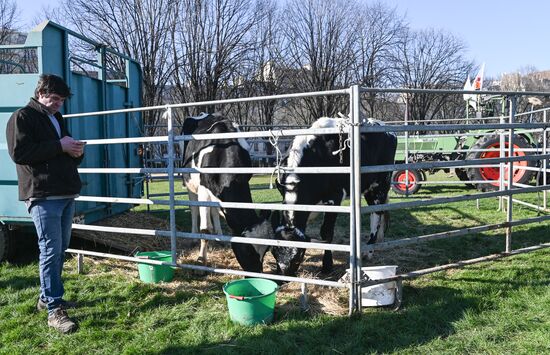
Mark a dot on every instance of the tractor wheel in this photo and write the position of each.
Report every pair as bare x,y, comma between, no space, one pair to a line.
492,173
462,175
6,243
399,182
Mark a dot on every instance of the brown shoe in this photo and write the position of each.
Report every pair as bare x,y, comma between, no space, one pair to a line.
61,321
41,305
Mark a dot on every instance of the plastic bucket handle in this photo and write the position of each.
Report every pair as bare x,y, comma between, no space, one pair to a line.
239,298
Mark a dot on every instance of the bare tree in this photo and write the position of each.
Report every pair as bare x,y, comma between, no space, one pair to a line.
319,47
430,59
527,78
14,60
210,46
8,20
380,29
264,75
140,29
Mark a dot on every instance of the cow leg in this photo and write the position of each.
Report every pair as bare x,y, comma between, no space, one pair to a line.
205,224
195,220
378,195
194,212
327,233
213,226
216,220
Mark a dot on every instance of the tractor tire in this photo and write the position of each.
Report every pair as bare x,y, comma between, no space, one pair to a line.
462,175
6,243
492,173
398,182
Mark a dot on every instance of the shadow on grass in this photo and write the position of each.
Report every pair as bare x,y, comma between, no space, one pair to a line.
427,314
20,283
429,190
430,316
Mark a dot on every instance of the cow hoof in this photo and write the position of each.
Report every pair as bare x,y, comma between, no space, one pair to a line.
201,260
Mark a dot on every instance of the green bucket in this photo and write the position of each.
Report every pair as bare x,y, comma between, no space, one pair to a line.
155,273
251,301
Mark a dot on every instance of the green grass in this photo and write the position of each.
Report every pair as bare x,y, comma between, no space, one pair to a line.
491,308
494,308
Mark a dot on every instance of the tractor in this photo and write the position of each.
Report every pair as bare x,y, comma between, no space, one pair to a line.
481,144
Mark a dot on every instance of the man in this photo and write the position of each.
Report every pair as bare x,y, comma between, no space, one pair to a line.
46,158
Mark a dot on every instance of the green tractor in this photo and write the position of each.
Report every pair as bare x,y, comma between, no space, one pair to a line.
481,144
461,147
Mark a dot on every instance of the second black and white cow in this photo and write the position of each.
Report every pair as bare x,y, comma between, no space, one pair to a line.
226,187
311,189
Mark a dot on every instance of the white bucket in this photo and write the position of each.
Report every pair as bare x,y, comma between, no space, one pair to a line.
379,295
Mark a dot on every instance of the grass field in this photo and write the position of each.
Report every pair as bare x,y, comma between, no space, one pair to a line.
491,308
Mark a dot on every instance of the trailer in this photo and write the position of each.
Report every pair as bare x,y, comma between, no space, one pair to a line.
100,79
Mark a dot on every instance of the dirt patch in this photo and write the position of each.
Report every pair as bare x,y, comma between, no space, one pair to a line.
321,299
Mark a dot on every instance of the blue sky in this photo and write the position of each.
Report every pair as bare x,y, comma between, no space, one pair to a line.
505,34
31,10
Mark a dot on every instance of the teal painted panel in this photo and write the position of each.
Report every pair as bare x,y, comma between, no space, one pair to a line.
7,172
16,91
54,58
89,96
11,207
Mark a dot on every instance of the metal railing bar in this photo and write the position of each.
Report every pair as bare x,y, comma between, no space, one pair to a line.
449,234
455,92
444,200
453,163
213,102
242,205
422,272
214,237
210,269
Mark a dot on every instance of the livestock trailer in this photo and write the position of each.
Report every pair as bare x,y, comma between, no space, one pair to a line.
100,79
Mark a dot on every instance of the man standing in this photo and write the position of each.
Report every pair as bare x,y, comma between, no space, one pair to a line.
46,158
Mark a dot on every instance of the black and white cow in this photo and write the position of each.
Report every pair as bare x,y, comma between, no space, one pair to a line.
311,189
228,153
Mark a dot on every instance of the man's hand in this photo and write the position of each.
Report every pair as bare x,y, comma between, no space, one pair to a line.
72,147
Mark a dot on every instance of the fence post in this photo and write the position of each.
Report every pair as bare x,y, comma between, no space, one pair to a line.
545,161
501,164
168,116
79,263
355,201
513,103
407,145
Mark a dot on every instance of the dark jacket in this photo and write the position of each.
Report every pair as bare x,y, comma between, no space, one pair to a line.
43,169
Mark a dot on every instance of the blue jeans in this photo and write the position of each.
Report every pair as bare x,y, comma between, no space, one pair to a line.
53,220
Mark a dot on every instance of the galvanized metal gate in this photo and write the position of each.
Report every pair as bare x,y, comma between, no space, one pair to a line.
356,247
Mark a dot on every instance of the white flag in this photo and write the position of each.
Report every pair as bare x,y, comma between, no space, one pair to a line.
467,86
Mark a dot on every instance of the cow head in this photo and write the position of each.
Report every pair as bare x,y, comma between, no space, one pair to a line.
288,258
